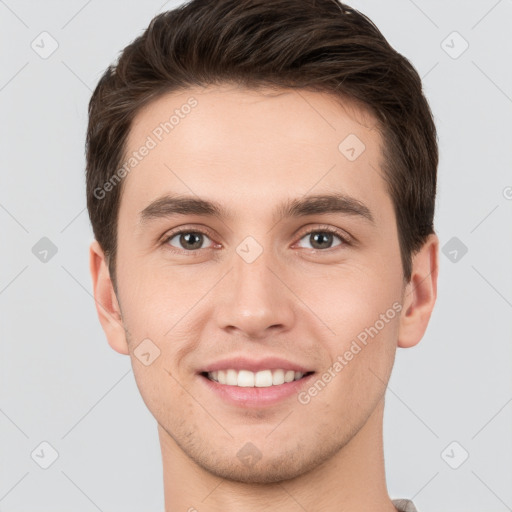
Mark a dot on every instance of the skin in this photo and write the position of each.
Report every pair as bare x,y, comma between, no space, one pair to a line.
251,150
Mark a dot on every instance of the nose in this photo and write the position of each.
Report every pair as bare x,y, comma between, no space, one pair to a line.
254,299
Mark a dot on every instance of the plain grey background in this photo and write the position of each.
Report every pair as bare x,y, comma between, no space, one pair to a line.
447,430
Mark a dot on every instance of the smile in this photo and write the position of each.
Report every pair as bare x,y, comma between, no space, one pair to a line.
249,379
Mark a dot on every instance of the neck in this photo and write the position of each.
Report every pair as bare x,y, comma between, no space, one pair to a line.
352,479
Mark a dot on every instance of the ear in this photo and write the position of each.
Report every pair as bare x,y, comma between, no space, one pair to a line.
420,294
105,298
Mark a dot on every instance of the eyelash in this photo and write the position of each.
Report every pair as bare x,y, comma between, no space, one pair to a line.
345,239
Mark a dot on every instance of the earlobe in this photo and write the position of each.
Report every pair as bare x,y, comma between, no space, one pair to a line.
107,306
420,294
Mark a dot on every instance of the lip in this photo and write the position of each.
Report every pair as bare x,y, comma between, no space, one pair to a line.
245,397
255,365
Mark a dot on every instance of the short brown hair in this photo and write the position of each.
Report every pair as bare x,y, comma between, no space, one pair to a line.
319,45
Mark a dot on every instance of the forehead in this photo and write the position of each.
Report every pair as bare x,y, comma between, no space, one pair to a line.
300,112
227,141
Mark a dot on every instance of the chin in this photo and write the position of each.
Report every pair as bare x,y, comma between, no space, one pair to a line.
250,466
259,473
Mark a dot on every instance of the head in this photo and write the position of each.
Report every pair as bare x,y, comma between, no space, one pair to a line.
253,107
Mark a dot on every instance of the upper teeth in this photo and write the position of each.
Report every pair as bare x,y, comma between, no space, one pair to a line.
248,379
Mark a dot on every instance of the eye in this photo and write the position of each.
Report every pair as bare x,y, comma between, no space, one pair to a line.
188,240
191,241
323,238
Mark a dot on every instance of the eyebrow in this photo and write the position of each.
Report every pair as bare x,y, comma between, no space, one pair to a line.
169,205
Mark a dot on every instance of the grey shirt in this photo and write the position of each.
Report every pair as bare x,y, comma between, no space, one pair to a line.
404,505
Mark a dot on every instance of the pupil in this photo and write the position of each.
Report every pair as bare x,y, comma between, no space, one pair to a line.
188,236
318,237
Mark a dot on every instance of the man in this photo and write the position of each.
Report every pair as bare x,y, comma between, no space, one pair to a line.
261,183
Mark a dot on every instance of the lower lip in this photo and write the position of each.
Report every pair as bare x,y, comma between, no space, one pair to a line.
256,397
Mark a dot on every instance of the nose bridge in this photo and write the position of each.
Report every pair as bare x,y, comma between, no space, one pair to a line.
253,298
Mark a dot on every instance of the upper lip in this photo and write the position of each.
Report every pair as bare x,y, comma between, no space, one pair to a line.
255,365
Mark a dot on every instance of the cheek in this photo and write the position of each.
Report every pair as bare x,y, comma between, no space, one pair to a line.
364,313
350,299
162,306
161,391
156,297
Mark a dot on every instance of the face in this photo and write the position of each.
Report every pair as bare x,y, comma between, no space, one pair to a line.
256,279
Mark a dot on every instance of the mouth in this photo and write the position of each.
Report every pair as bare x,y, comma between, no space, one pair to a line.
241,381
245,389
259,379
